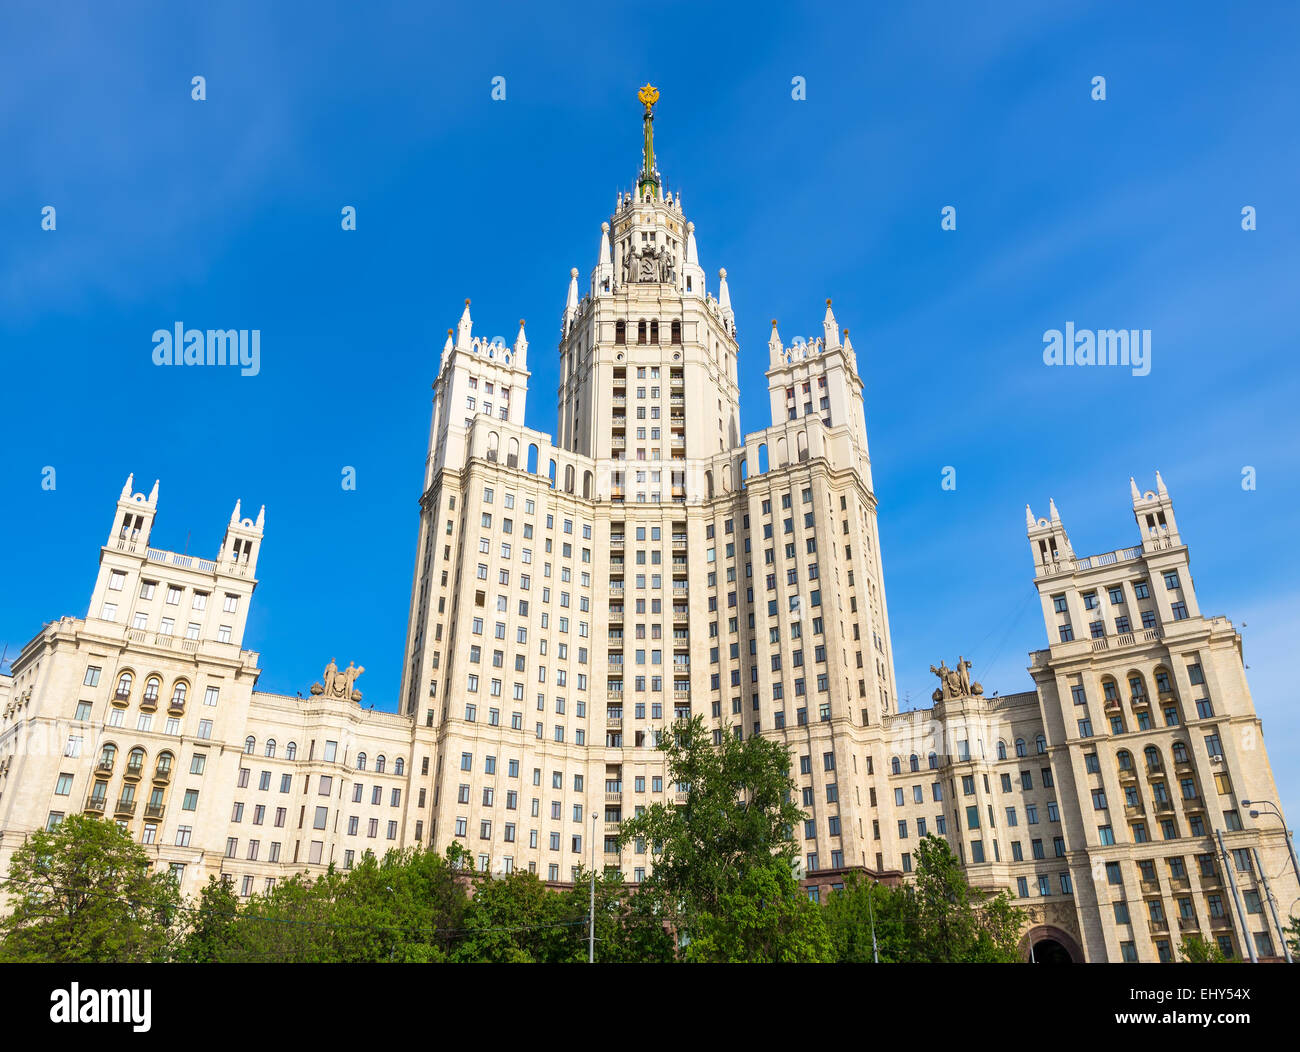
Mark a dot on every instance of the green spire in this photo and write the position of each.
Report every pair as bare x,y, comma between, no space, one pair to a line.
648,95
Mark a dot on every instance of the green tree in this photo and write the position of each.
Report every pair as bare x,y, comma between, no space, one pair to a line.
516,919
950,921
83,892
629,926
850,915
737,817
764,919
1196,949
1292,935
407,907
214,925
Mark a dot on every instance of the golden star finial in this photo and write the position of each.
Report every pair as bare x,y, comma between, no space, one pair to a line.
648,95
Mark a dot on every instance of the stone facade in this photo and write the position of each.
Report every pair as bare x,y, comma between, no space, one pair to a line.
571,597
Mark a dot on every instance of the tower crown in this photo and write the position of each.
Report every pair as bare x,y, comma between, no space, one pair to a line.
1154,512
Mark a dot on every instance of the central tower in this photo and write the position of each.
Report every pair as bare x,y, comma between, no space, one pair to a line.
648,380
574,596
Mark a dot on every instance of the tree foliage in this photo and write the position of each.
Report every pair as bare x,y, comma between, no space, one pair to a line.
1196,949
83,892
737,818
764,919
937,918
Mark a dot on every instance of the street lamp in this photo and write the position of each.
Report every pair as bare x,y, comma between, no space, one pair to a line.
1276,812
591,920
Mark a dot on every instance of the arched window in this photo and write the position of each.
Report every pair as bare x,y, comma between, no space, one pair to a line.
1002,749
135,760
250,745
124,686
1180,752
913,763
1136,686
1152,755
151,687
164,767
620,332
270,747
291,750
361,761
934,761
640,332
379,764
676,332
399,766
1020,747
108,756
178,694
895,765
1040,743
1125,759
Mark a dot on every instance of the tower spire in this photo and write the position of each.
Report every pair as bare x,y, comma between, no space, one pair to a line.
649,177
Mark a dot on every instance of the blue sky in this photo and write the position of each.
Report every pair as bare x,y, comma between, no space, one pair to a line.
225,213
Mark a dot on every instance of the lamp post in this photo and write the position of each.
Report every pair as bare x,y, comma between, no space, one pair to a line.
591,919
1276,813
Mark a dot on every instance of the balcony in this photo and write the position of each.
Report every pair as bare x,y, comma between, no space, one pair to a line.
613,796
1184,766
176,707
1149,887
1158,927
148,703
614,723
1193,803
1134,811
620,400
1211,880
104,767
1128,774
680,798
677,381
616,542
677,400
153,811
611,827
618,442
1140,701
1164,807
122,697
613,691
681,615
1113,705
162,775
134,770
125,809
95,805
1187,924
1183,883
679,541
681,695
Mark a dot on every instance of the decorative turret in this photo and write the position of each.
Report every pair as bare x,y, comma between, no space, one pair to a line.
830,329
1154,512
570,303
1049,541
133,520
240,545
464,329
